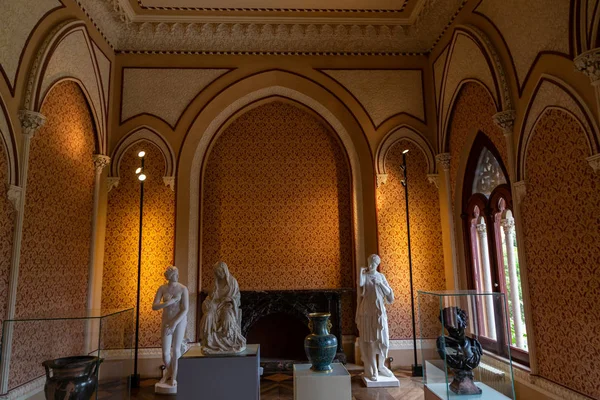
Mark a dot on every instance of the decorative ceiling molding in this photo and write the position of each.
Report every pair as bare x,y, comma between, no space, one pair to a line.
235,32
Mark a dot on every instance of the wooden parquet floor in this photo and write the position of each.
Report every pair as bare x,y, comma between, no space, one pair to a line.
281,387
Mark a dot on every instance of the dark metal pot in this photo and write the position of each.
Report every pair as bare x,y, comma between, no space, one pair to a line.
73,378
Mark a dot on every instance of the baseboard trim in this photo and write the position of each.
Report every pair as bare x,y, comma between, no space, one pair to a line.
25,391
547,387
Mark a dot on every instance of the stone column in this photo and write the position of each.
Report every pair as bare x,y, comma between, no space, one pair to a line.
589,64
484,257
508,224
31,121
447,219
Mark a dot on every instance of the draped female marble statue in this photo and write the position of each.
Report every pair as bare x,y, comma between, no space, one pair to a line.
221,315
371,319
173,299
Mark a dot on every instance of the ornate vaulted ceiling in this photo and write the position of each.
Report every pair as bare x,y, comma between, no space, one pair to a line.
272,26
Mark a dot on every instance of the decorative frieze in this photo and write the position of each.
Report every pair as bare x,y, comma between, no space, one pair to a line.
444,160
589,64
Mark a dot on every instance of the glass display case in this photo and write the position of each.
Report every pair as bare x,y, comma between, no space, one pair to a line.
30,341
464,345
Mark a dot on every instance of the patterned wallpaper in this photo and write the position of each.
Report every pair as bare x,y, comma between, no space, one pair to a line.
119,280
56,231
473,111
561,227
426,237
277,203
7,216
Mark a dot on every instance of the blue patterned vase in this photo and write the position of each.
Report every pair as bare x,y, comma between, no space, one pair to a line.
320,346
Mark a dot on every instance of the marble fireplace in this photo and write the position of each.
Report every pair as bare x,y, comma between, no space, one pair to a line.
278,320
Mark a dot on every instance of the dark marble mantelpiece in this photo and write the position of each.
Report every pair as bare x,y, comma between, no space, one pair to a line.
297,303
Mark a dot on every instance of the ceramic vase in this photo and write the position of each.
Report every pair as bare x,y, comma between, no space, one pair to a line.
320,346
73,378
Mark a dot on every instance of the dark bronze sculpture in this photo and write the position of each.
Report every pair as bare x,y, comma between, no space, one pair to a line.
462,353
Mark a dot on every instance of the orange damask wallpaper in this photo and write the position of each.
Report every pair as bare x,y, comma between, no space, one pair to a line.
7,215
56,231
119,280
473,111
425,233
277,203
561,226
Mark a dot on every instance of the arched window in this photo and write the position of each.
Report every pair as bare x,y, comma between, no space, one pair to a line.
491,250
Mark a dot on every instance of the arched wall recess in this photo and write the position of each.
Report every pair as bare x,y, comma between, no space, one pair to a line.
68,53
399,133
467,60
202,133
551,92
135,136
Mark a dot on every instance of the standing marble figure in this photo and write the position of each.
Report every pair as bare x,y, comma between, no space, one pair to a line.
371,319
175,304
221,315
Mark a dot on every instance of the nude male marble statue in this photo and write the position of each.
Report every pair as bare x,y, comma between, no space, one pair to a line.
371,319
173,299
221,315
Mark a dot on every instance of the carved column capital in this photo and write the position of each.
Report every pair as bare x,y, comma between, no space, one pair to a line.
112,182
169,181
14,194
507,224
31,121
482,230
505,120
381,179
100,161
444,160
434,179
594,162
519,191
589,64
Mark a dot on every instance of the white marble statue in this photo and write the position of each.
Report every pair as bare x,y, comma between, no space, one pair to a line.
221,315
371,319
173,299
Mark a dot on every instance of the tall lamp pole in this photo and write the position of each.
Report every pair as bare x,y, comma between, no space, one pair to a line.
417,370
141,175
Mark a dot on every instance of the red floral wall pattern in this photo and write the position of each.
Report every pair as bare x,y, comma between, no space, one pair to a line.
119,280
561,226
7,215
473,111
56,231
426,236
277,203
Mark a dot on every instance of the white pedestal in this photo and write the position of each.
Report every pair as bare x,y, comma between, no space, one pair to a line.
309,385
439,391
382,381
163,388
219,377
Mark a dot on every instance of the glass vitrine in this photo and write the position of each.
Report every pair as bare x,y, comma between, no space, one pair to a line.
456,329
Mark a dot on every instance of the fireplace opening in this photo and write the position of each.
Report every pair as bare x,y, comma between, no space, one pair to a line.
281,337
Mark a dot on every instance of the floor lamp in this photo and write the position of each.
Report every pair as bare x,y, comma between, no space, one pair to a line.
135,378
417,370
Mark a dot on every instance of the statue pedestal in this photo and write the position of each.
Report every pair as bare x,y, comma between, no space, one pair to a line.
219,377
382,381
310,385
163,388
